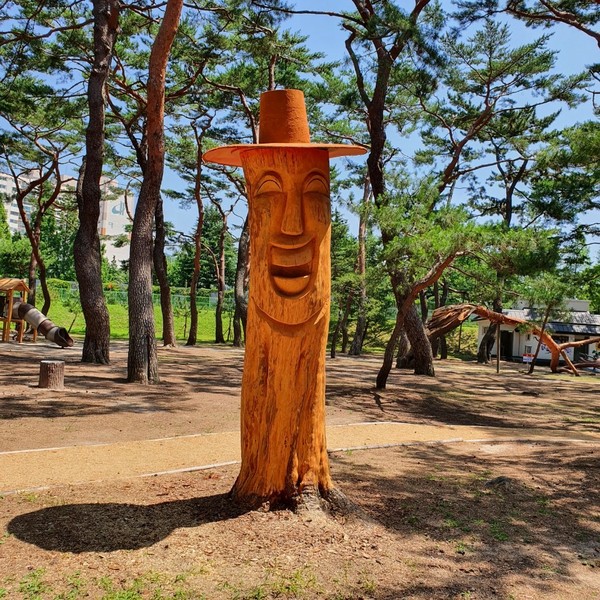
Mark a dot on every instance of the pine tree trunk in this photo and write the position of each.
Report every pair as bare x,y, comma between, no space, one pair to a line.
388,355
403,357
335,334
344,322
88,256
241,277
193,334
32,279
419,342
142,363
361,270
160,269
219,336
443,348
484,352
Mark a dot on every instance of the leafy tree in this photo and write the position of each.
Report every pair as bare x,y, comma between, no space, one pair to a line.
588,286
88,258
14,256
343,279
580,14
546,295
58,231
142,365
4,229
489,120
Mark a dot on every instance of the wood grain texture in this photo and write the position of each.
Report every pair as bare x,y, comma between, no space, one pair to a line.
284,451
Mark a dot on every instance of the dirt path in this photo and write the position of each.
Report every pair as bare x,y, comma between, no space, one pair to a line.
508,507
27,470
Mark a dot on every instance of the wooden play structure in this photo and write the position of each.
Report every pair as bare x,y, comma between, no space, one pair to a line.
446,318
14,309
8,288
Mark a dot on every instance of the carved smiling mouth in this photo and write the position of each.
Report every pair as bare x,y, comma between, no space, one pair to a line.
291,267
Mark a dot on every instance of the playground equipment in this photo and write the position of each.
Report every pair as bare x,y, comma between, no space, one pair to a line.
16,310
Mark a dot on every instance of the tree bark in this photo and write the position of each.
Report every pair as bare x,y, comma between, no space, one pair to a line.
193,333
52,374
160,269
142,363
88,254
32,279
388,355
361,271
344,325
241,280
220,273
484,352
403,358
419,343
341,326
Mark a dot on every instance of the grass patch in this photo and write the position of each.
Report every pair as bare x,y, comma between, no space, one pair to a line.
62,314
498,532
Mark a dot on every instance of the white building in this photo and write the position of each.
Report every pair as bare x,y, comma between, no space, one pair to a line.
7,192
111,224
113,221
577,324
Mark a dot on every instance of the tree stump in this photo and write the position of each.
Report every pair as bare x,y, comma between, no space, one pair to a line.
52,374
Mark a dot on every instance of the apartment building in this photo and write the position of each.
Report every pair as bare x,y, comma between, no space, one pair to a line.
112,223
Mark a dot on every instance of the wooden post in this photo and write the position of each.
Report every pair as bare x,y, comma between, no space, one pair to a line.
9,308
498,348
52,374
283,387
284,452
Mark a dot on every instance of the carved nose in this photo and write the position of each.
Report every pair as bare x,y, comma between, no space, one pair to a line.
292,223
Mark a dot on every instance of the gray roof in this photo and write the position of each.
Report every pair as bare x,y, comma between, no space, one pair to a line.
577,322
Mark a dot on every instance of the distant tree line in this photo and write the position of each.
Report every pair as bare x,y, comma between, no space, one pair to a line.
478,186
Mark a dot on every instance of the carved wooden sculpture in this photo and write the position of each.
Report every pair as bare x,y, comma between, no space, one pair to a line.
284,452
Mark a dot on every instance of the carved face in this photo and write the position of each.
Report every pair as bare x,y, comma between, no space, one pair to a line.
290,232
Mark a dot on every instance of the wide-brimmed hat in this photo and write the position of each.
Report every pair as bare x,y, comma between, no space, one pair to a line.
282,124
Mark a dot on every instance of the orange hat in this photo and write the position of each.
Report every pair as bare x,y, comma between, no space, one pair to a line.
283,124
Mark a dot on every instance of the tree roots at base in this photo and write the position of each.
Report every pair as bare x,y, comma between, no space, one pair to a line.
310,503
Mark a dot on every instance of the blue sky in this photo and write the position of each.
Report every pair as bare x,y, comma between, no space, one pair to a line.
575,51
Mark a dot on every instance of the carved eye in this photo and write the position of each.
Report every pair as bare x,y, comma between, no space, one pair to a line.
269,185
317,185
316,192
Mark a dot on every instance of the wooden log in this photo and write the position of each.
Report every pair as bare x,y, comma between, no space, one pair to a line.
284,451
52,374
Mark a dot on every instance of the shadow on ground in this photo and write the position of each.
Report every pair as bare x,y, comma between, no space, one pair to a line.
107,527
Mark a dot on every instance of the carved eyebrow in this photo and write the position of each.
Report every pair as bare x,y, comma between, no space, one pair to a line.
315,181
269,183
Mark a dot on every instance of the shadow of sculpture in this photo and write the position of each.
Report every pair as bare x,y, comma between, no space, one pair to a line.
107,527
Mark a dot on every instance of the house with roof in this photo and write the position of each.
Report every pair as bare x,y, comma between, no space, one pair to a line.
518,344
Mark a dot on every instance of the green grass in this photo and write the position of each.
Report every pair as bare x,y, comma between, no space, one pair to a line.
63,316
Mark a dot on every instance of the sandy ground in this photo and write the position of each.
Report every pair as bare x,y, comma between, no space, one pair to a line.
475,485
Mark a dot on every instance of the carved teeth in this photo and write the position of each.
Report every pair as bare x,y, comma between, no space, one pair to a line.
291,267
291,257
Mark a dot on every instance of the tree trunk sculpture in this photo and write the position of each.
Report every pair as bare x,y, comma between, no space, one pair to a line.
284,451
